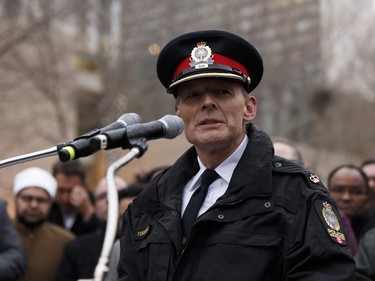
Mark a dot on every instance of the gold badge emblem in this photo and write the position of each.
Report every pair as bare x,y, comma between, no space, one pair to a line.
201,56
333,222
314,178
330,216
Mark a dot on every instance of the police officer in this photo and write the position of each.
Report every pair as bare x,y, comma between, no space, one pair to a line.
262,217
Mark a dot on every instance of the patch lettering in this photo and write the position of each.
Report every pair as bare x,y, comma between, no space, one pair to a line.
141,234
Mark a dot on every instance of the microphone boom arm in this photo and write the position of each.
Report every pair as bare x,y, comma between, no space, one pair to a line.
29,157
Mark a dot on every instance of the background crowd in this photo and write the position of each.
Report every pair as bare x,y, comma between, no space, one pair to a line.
59,225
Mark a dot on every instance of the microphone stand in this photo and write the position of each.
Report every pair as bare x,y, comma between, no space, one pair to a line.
30,156
111,227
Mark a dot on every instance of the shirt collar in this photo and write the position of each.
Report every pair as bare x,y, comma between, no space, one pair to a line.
226,168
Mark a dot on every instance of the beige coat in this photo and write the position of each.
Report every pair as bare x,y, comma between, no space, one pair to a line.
44,247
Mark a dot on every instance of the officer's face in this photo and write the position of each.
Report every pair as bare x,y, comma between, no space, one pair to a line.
347,187
214,112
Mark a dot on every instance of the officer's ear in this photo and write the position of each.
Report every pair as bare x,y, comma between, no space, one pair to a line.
250,109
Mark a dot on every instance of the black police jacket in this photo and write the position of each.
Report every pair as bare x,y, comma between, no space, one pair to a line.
80,226
276,221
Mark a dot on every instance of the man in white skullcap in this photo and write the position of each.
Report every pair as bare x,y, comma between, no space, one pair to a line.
34,190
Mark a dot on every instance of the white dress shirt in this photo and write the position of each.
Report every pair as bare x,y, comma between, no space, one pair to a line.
219,186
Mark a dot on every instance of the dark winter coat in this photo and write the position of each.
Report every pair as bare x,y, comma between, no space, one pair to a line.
12,255
79,227
276,221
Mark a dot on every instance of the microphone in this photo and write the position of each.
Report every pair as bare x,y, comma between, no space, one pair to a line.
80,146
169,126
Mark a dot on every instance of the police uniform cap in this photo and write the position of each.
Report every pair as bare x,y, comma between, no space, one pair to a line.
209,53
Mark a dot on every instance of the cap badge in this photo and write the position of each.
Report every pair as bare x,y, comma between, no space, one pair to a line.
201,56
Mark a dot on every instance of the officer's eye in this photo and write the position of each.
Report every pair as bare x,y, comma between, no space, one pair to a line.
189,95
193,95
224,92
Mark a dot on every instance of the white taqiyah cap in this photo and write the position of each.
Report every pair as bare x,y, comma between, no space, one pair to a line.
35,177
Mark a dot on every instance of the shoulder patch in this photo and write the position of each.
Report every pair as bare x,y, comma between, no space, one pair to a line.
331,220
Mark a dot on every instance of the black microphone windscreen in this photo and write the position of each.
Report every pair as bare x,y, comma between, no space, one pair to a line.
125,120
130,118
173,124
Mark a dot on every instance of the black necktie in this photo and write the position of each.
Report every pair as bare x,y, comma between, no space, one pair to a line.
196,201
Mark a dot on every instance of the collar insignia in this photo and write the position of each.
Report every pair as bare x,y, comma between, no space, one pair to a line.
314,178
201,56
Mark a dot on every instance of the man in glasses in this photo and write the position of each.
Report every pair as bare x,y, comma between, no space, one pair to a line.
44,242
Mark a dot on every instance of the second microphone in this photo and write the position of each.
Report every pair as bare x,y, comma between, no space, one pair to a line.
169,126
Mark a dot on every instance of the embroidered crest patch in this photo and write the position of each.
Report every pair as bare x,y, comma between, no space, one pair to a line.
331,222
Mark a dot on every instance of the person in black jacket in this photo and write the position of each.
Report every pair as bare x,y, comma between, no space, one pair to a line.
263,217
365,257
73,208
81,255
12,256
